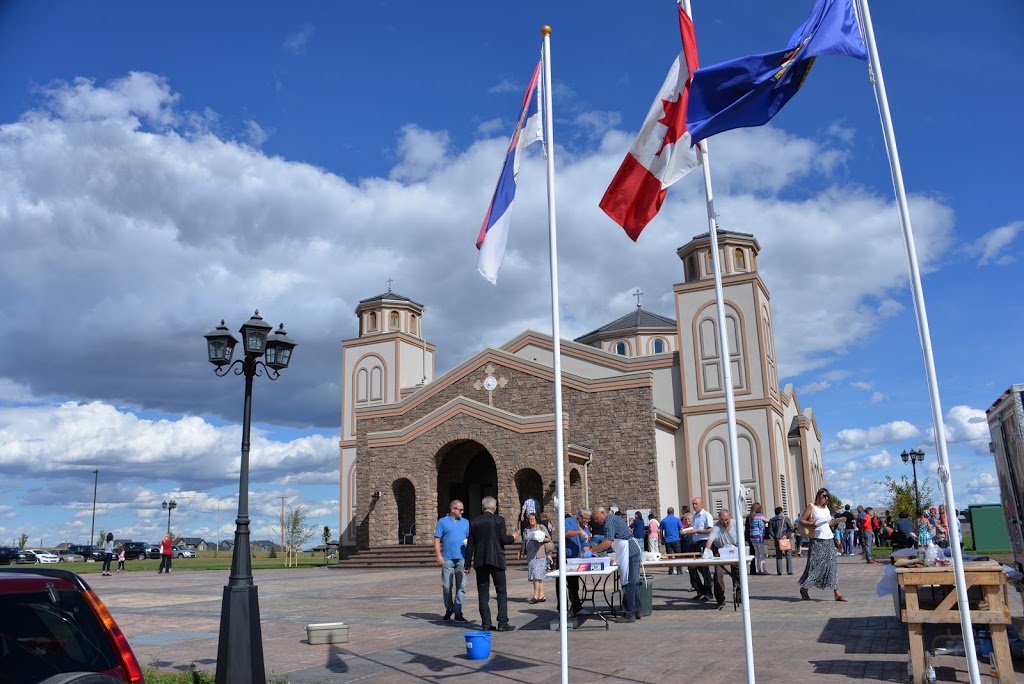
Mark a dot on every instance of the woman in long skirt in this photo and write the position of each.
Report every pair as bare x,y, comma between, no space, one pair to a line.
535,539
822,570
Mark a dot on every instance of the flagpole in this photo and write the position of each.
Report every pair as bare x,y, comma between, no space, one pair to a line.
556,353
730,403
922,328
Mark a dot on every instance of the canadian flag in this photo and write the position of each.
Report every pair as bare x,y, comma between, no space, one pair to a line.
662,153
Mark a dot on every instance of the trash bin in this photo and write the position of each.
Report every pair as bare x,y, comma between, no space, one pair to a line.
646,597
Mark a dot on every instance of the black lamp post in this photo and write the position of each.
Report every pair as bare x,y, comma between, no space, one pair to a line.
240,647
914,456
169,506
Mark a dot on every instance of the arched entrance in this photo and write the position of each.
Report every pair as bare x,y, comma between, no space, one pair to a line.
530,485
465,471
405,500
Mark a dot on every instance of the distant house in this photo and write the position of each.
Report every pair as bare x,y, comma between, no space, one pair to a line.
120,542
264,546
195,543
62,545
225,545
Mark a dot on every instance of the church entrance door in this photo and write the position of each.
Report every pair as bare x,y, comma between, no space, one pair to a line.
465,471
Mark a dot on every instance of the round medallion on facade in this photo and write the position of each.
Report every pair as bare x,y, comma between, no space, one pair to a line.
490,383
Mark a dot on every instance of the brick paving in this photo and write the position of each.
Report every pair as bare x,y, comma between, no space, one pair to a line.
397,634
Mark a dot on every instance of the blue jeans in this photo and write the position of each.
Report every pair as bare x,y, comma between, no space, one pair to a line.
848,541
453,569
631,589
674,547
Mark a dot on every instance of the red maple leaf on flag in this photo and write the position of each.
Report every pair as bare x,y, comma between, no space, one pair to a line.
674,120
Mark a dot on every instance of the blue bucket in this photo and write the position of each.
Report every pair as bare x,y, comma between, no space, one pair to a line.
478,645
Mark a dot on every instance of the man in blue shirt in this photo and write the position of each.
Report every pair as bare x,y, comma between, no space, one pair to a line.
671,526
577,535
450,548
618,536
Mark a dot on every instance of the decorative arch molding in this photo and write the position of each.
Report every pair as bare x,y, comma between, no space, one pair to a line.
705,333
756,451
359,367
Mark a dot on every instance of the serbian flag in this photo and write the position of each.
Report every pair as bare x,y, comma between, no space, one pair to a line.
662,153
494,232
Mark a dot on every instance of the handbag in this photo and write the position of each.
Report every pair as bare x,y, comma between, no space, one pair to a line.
784,544
804,529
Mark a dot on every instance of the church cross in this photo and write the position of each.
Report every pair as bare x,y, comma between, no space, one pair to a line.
389,284
638,294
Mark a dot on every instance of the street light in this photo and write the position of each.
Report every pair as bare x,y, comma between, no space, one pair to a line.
914,456
169,506
240,645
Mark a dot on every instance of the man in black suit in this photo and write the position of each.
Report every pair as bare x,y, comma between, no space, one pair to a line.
485,551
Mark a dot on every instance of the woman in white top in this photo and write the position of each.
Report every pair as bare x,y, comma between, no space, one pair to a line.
822,570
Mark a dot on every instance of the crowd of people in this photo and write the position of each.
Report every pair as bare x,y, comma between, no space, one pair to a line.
461,547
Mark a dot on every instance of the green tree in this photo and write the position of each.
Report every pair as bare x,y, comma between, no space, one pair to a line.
834,502
899,495
326,536
297,531
22,540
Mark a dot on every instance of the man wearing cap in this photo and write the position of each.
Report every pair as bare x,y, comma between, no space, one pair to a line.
619,538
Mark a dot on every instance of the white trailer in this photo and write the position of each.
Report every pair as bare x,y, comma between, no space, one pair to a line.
1006,426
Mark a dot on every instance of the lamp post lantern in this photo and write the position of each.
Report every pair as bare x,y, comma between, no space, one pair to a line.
914,456
240,645
169,506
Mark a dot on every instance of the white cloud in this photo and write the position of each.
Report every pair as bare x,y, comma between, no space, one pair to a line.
296,43
880,460
813,387
254,133
121,211
858,438
57,440
989,247
866,386
506,85
877,397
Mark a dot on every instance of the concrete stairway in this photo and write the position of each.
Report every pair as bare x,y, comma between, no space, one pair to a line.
406,556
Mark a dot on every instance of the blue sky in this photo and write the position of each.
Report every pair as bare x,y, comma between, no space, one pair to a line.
161,169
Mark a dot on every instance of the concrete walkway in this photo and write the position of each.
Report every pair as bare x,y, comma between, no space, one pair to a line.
397,634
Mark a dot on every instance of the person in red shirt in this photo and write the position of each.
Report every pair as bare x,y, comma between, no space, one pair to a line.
867,528
167,552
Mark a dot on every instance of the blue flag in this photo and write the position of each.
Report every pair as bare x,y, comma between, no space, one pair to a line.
749,91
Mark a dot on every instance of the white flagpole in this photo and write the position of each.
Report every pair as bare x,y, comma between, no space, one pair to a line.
556,353
923,331
739,495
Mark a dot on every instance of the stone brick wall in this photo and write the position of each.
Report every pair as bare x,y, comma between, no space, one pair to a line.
618,425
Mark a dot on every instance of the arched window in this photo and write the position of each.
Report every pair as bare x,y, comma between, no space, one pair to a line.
373,321
659,346
691,266
376,384
621,349
362,385
739,261
710,357
394,320
412,324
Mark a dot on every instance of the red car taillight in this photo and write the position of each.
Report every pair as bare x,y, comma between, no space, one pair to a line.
120,643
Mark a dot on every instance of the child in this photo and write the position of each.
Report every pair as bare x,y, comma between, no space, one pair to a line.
120,559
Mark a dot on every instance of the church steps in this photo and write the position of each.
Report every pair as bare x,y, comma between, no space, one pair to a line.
407,556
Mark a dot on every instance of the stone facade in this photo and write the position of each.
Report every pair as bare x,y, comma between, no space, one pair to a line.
617,425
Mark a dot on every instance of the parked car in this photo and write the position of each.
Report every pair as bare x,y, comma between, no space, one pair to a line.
43,556
182,552
90,552
69,556
136,551
10,555
154,551
55,624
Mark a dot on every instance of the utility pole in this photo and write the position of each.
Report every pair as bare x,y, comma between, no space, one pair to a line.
95,483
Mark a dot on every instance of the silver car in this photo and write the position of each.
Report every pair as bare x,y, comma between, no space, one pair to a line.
69,556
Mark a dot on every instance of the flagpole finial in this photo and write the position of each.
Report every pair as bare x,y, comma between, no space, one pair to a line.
545,30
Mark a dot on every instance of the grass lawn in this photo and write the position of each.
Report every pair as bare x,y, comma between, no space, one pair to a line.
205,560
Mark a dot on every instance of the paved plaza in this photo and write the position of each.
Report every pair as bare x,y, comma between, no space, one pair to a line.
397,634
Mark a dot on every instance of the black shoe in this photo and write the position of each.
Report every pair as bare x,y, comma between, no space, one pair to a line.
721,605
576,609
447,615
504,627
638,616
460,618
704,597
625,619
487,628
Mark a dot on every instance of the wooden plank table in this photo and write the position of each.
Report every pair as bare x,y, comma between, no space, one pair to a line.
993,610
